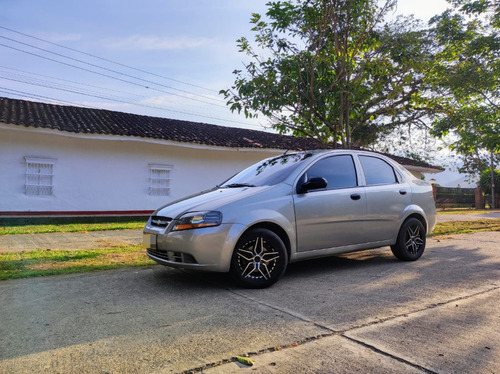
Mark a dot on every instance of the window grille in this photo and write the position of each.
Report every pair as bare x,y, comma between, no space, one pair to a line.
159,180
39,177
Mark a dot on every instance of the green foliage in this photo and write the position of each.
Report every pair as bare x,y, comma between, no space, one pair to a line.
466,78
485,181
329,69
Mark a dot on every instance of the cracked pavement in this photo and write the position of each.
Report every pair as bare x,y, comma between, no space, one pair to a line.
361,312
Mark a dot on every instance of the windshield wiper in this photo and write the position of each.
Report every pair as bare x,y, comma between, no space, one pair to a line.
237,185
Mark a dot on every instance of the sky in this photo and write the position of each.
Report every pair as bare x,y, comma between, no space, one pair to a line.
165,58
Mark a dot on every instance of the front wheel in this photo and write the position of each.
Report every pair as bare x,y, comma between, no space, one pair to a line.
411,241
259,259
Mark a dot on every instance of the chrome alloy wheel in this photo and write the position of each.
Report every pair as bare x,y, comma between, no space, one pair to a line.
410,244
257,259
413,239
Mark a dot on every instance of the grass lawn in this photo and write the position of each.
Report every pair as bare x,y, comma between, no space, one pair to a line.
463,227
465,211
74,227
50,262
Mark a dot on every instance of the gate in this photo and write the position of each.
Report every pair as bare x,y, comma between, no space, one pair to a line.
447,197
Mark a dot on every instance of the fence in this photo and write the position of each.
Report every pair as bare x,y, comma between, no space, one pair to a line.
455,197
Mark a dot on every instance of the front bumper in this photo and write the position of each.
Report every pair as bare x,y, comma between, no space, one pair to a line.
208,249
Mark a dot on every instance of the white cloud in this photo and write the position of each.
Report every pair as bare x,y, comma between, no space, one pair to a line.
152,43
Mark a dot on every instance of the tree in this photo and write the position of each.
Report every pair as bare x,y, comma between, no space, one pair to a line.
485,181
466,78
331,70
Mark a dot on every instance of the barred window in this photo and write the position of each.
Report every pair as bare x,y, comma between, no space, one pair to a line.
159,180
39,177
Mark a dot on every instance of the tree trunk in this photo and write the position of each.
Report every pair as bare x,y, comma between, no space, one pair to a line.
492,168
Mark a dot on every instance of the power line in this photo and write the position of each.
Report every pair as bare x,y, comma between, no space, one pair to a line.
10,91
106,60
109,70
65,80
101,74
106,95
96,96
14,75
131,103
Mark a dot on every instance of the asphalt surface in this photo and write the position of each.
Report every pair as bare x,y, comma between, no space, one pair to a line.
363,312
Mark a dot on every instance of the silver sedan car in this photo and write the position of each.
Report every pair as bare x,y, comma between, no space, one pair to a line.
294,207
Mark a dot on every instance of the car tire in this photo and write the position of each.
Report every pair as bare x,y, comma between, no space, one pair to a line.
259,259
410,244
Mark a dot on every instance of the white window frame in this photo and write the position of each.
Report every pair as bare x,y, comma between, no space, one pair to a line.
39,176
159,179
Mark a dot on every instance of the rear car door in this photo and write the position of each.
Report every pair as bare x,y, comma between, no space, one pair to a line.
333,216
387,196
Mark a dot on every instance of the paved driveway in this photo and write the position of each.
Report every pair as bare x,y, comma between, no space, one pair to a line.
364,312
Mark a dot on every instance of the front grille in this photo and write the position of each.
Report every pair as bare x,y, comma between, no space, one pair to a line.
159,221
179,257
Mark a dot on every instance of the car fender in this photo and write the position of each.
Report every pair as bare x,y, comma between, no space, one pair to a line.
412,210
233,235
266,217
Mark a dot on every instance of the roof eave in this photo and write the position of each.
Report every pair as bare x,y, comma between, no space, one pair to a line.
424,170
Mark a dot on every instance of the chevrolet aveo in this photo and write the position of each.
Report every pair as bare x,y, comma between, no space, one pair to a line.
294,207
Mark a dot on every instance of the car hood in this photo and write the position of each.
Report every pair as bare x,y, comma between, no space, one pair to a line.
211,200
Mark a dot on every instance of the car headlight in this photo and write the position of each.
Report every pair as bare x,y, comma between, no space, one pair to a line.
195,220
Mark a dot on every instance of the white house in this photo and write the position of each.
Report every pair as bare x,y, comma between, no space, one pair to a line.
64,160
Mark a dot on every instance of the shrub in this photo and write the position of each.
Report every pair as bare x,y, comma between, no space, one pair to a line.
485,181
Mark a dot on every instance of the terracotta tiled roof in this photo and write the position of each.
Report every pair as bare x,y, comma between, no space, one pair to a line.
105,122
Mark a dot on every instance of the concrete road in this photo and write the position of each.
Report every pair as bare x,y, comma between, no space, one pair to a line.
363,312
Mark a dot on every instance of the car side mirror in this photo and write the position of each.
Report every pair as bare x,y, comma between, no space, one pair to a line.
313,184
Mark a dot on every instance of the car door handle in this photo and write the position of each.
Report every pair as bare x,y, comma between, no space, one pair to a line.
355,196
402,192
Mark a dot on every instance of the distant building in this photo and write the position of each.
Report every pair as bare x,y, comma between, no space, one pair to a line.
65,160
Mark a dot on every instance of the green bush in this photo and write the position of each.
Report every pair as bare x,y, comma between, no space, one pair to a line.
485,181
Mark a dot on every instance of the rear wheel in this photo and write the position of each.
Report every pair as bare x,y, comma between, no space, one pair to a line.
411,241
259,259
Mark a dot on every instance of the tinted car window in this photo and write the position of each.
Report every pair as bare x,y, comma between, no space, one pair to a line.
377,171
338,171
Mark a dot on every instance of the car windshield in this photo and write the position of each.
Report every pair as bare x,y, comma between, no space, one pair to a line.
267,172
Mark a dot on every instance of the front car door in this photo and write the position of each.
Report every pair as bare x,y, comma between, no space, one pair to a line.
333,216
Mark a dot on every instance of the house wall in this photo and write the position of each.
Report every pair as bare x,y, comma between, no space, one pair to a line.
109,173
